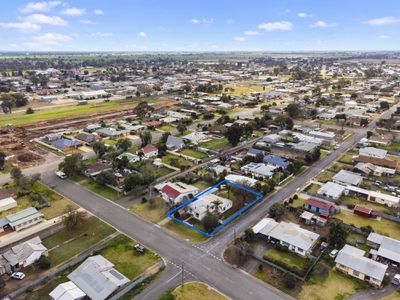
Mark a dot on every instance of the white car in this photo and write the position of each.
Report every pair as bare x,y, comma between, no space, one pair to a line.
334,253
18,275
61,175
396,279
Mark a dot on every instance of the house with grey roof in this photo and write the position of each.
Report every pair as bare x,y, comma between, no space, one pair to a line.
331,190
351,261
67,291
21,219
290,235
174,143
386,248
97,278
347,178
22,255
373,152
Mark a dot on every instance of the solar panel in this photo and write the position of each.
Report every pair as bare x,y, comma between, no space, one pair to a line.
116,274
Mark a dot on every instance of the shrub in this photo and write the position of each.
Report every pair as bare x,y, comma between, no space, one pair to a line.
350,206
289,281
44,263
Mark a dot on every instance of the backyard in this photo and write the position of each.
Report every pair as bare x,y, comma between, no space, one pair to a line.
147,167
65,244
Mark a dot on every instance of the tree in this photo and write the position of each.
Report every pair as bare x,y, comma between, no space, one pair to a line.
276,210
289,281
72,217
106,177
72,165
284,121
369,134
99,148
145,137
164,137
210,222
16,174
29,111
132,181
2,160
337,234
123,144
43,263
142,109
384,105
234,134
181,128
293,110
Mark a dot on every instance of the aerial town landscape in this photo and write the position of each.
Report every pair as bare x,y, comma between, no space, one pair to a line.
208,171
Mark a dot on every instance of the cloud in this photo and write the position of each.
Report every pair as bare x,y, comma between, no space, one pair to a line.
142,34
383,21
214,47
304,15
252,32
88,22
52,38
23,26
98,12
39,6
239,39
102,34
204,21
229,22
322,24
384,36
73,11
43,19
272,26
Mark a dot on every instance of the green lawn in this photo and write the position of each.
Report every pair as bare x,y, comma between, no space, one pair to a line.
102,190
167,128
346,159
185,232
194,153
196,291
65,112
336,286
110,142
202,185
175,161
287,260
313,188
216,144
153,212
382,226
392,147
325,176
86,235
121,253
147,167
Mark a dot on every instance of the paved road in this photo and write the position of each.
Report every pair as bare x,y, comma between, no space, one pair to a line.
197,263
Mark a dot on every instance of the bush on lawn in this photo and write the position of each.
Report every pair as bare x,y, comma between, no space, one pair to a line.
289,281
43,263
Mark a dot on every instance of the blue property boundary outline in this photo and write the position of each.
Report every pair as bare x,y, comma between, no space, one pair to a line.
228,220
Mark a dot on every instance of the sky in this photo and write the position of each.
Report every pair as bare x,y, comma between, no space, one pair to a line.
199,25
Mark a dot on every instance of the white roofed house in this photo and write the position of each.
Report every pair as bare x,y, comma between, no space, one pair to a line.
332,190
351,261
23,255
347,178
387,249
67,291
373,152
290,235
208,203
260,170
97,278
195,137
7,203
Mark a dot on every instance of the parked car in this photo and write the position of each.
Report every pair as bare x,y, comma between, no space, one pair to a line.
61,175
18,275
139,248
396,279
334,253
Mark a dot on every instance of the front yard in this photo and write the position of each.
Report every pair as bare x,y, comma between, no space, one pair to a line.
185,232
194,153
65,244
154,212
126,259
102,190
216,144
288,260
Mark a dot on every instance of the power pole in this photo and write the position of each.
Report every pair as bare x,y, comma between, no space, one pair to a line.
234,235
183,274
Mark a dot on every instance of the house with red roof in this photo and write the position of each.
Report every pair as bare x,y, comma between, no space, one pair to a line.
320,206
177,192
149,151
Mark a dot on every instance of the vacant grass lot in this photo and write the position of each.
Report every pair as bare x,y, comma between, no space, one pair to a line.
102,190
195,291
185,232
121,253
67,244
194,153
288,260
382,226
216,144
153,212
65,112
147,167
175,161
336,286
